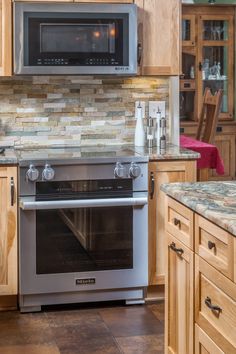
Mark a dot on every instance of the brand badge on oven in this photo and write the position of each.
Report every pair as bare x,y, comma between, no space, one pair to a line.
85,281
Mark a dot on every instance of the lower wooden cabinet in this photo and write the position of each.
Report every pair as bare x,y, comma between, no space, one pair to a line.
162,172
178,297
204,344
8,231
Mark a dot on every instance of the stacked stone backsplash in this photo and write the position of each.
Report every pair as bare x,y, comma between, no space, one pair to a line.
72,110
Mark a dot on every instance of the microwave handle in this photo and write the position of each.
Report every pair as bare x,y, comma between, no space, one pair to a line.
139,53
32,204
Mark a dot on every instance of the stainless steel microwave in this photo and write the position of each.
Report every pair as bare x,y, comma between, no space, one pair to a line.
70,38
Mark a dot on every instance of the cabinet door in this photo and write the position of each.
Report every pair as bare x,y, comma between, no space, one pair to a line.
215,54
204,344
8,230
108,1
178,298
159,36
159,173
226,146
5,38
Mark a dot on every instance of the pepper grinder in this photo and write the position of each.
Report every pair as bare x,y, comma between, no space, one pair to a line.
158,127
163,134
139,137
150,132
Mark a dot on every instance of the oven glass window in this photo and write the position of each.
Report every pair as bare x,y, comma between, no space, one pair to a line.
81,240
84,239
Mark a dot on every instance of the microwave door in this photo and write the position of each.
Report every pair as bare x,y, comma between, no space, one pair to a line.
97,42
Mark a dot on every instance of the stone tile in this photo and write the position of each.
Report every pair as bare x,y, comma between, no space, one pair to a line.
149,344
30,349
16,329
131,321
73,318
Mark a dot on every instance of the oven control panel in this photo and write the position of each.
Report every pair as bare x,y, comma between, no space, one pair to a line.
32,173
121,171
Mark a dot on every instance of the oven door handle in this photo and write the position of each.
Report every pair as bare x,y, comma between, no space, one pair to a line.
31,204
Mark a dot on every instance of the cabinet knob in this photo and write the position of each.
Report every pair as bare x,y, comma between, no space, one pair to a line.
211,245
173,247
176,222
215,308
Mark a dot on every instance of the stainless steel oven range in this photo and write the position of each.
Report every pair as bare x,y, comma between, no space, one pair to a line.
83,226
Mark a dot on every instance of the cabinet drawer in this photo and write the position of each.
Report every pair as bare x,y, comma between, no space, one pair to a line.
179,222
204,344
215,305
215,245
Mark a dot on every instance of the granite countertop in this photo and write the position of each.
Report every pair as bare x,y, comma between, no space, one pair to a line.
215,201
8,157
172,152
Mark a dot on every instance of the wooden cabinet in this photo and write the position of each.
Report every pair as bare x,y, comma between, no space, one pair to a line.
5,38
8,231
178,297
215,305
210,269
204,344
162,172
207,58
159,36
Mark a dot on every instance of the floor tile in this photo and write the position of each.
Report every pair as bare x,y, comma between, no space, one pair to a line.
29,349
131,321
149,344
16,328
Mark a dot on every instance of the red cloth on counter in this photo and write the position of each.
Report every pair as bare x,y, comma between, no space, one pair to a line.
210,156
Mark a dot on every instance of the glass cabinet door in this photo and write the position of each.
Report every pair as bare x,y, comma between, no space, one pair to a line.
216,58
188,30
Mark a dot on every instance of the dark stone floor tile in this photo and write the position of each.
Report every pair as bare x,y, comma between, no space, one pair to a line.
81,341
149,344
19,328
159,310
72,317
131,321
30,349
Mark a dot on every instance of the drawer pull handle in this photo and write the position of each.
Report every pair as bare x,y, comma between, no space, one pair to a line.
214,308
176,221
179,251
211,245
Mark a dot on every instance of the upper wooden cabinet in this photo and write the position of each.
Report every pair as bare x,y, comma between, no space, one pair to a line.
8,231
159,36
5,38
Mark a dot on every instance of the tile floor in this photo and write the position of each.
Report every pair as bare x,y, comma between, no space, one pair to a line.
105,329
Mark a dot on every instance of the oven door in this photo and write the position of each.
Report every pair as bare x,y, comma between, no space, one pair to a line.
83,244
75,39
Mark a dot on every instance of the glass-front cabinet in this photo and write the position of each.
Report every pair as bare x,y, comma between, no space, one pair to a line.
207,59
215,53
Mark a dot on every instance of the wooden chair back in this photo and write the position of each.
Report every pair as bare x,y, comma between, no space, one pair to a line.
210,113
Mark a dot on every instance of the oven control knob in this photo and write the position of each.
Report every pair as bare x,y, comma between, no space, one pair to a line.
120,170
32,174
48,173
134,170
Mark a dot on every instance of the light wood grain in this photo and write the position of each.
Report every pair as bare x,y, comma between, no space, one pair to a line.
161,36
8,232
222,291
6,38
184,230
222,255
163,172
179,299
204,344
